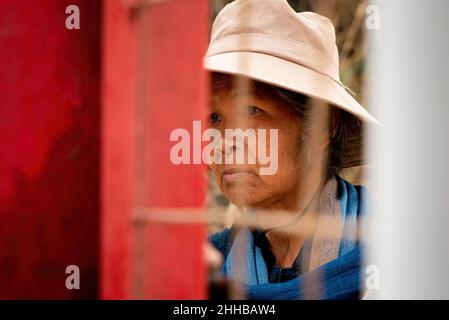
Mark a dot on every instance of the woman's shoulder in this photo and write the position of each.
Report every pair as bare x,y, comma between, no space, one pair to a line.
222,240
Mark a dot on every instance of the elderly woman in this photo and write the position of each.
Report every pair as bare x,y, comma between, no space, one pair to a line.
273,68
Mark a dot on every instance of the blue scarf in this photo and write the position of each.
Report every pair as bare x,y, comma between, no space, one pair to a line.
338,278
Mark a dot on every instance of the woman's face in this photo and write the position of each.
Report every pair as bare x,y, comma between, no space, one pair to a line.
243,184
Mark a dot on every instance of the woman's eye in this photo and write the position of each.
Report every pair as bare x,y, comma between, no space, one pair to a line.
214,117
253,110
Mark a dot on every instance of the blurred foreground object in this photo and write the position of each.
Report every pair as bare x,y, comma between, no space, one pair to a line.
49,158
410,227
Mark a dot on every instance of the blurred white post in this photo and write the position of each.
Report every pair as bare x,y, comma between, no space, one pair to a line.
410,153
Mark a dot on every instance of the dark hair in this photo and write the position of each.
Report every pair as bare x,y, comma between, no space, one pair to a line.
302,104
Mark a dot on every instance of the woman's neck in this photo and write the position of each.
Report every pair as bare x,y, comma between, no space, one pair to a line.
285,247
289,229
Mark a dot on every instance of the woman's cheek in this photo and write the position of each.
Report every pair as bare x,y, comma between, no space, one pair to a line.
289,159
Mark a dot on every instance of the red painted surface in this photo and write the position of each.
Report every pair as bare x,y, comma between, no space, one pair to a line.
49,138
139,113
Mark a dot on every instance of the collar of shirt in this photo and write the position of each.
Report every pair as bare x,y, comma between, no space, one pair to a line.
275,273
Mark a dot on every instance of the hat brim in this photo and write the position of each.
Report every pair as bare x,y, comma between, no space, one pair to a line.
297,78
288,75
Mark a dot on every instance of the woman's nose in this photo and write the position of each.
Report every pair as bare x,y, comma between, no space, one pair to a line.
232,135
227,146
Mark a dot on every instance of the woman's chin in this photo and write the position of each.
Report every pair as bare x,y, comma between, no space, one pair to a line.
241,198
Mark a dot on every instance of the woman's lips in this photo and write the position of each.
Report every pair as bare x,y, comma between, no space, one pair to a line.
230,175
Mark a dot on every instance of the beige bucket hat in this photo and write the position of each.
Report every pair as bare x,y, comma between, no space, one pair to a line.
266,40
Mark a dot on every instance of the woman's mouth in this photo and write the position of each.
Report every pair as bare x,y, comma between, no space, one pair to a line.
235,174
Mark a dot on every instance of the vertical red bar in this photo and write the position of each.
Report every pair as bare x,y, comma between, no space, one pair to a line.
153,83
177,38
118,149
